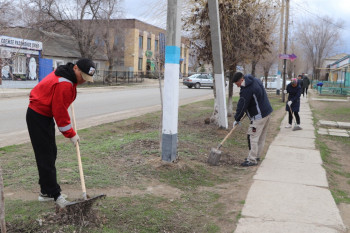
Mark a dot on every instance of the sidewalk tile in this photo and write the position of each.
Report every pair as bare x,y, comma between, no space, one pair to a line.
280,202
296,155
328,123
253,225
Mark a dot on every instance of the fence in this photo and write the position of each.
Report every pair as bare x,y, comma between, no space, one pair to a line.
331,88
119,77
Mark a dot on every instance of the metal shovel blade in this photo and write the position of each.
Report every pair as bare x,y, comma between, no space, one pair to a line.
83,205
214,156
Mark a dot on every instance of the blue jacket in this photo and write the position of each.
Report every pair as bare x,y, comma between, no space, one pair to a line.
253,100
294,96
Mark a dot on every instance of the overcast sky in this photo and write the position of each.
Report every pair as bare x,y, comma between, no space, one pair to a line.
300,9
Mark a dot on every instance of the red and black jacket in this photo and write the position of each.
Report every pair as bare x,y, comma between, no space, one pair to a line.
53,96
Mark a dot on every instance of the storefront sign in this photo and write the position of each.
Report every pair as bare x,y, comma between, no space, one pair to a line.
20,43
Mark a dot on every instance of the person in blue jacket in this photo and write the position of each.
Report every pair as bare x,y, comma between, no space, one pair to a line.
254,102
293,103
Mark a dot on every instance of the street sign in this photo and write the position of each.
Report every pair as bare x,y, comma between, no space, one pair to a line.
291,57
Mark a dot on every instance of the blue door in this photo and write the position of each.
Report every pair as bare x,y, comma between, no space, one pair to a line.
45,67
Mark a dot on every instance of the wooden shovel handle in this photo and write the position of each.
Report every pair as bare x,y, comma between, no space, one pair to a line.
229,134
81,173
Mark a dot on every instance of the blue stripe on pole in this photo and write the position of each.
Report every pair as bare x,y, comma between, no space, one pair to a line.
172,54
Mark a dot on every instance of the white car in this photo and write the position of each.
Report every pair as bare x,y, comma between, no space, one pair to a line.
198,81
272,82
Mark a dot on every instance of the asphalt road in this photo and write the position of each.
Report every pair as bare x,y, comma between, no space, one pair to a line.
93,106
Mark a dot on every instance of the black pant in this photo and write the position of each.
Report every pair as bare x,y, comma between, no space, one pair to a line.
42,135
290,117
305,90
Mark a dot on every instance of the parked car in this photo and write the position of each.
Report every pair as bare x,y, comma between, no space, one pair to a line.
198,81
272,82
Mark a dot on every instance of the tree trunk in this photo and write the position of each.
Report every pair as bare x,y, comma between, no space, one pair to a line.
253,67
266,74
230,91
109,76
2,204
215,116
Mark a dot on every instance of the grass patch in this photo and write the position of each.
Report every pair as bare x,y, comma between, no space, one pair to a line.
126,154
186,177
340,196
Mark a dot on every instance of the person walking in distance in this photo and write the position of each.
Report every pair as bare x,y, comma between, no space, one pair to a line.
306,83
254,102
48,101
293,104
300,81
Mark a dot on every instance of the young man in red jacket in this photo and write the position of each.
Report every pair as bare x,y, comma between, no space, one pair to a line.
49,100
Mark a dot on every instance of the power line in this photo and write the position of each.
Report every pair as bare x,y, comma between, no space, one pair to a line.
317,16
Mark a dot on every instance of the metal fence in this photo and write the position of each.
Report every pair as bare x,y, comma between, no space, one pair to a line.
331,88
119,77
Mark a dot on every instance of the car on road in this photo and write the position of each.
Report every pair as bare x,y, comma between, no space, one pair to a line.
198,81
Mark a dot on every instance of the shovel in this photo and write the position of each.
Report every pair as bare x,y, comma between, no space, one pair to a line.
296,127
215,153
87,202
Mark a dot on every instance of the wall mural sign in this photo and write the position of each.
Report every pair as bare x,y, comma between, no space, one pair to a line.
20,43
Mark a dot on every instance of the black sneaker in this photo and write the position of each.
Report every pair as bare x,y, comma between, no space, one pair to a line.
248,164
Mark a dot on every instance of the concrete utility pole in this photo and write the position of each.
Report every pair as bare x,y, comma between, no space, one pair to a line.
280,47
219,76
171,82
285,49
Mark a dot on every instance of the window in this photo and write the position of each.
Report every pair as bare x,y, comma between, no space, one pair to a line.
140,64
148,43
156,45
140,42
97,65
19,65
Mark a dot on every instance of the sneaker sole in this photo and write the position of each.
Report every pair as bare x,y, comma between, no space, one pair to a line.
44,199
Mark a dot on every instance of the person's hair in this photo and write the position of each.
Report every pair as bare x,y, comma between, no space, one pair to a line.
237,76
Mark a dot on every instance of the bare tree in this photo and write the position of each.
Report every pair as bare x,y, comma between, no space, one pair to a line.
319,38
244,31
78,18
9,12
267,61
112,33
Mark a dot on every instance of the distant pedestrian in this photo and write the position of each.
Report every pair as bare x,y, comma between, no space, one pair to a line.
306,83
300,80
254,102
293,103
48,103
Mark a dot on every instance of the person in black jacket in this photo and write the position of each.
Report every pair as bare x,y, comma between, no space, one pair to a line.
306,83
300,81
254,102
293,104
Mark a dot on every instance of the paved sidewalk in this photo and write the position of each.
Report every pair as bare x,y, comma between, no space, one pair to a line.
290,189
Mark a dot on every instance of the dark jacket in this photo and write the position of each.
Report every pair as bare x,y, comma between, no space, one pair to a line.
300,82
253,100
306,82
294,96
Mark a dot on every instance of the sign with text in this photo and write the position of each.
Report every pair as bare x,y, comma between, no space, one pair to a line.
20,43
291,57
